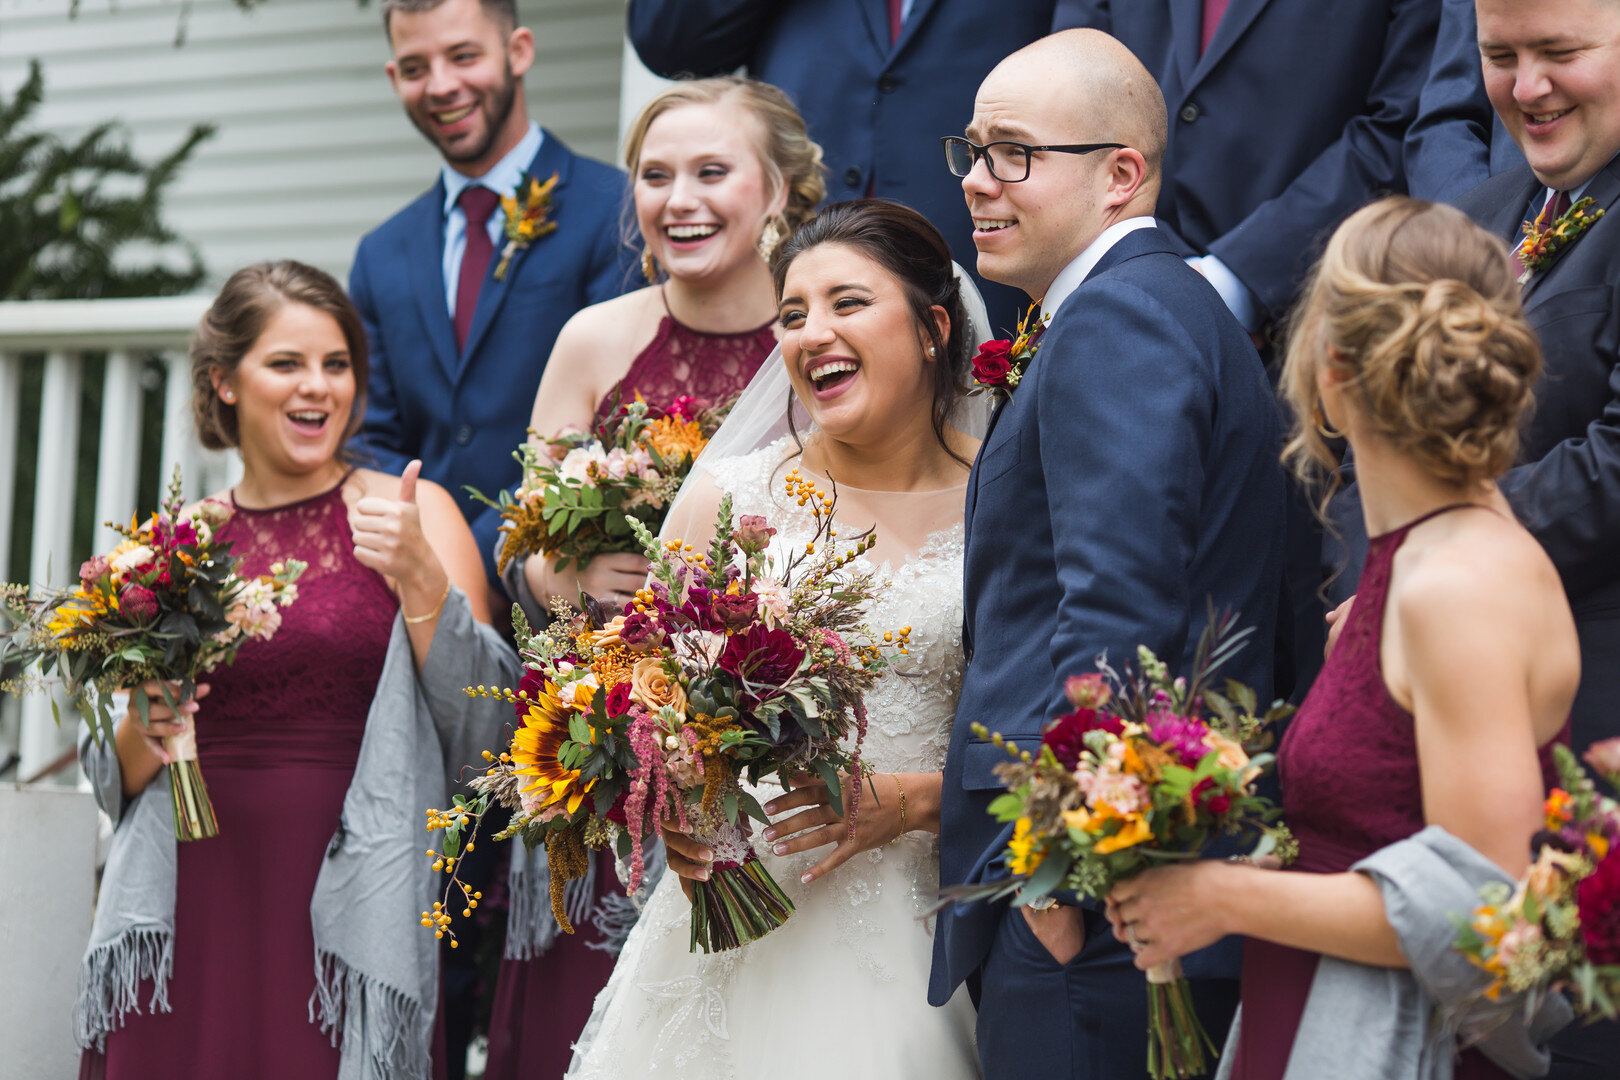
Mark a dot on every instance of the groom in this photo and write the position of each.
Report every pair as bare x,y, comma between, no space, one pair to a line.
1131,480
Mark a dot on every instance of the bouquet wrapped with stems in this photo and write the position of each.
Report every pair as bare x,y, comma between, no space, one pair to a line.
1145,770
730,668
1558,927
167,604
581,490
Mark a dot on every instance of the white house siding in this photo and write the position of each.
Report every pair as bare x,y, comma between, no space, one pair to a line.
313,149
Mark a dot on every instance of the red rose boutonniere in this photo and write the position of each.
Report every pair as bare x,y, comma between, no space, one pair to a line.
1001,363
1542,244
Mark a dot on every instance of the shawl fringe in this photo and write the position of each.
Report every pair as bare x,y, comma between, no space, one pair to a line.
110,981
390,1023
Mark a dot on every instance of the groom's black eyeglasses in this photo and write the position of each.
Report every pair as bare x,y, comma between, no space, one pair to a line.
1007,161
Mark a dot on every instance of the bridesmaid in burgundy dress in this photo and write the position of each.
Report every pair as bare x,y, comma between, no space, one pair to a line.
1457,663
723,171
279,365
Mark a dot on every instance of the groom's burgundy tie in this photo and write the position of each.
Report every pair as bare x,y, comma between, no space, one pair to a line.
896,19
477,202
1213,10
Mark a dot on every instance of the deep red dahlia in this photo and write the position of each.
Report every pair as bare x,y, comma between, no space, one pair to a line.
1067,734
1598,900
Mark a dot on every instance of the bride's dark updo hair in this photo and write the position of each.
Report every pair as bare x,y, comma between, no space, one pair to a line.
905,244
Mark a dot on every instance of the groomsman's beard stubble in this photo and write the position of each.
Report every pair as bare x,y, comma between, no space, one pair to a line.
496,110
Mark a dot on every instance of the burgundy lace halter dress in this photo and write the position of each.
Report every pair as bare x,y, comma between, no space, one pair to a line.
277,737
1350,786
541,1005
682,361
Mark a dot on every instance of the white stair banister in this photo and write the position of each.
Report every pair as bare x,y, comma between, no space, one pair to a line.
119,455
10,395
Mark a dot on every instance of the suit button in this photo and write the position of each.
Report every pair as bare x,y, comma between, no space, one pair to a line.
852,176
1189,112
888,83
463,435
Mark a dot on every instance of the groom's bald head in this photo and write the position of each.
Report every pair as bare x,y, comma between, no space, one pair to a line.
1075,87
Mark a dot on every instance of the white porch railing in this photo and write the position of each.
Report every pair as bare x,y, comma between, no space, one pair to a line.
57,334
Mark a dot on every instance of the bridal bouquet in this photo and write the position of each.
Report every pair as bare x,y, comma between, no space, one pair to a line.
581,490
168,604
1144,770
1558,927
731,665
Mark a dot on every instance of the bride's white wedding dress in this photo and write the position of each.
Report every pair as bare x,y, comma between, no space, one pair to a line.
841,988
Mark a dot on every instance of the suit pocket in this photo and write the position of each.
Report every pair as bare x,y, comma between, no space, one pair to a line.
979,761
1591,300
998,460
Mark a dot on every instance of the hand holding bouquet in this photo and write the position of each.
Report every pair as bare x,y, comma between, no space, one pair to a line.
1558,927
731,665
166,605
1145,770
580,491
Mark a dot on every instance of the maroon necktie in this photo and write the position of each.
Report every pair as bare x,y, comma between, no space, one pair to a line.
477,203
1213,10
896,9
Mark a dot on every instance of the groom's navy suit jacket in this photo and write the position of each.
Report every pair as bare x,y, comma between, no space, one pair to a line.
463,413
1131,480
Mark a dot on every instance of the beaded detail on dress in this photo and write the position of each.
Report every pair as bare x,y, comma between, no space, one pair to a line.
859,930
322,665
682,361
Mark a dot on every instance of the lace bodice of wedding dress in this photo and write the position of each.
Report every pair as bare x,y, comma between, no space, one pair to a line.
841,988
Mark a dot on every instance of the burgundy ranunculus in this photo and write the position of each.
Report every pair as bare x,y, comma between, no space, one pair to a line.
1067,734
1598,900
763,659
618,700
738,612
638,630
1219,804
138,603
531,684
993,363
699,607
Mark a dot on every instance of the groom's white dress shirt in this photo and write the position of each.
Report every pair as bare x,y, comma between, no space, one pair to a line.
1070,277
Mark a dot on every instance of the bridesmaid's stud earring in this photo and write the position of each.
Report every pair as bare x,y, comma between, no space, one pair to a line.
230,398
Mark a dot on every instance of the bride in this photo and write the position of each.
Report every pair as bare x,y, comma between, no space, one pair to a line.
875,347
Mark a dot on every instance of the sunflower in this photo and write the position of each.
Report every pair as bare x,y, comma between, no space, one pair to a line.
77,614
537,746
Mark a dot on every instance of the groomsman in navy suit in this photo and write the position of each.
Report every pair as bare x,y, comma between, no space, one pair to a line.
457,342
876,80
1286,116
1130,482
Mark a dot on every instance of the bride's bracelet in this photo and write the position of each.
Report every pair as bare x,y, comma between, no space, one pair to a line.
901,789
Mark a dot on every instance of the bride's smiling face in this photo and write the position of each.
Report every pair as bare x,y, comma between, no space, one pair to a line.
858,361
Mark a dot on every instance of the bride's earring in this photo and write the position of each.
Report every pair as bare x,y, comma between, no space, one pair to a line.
1319,418
649,266
770,236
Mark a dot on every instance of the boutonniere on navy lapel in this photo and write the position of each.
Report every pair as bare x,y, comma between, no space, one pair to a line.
525,226
1541,244
1000,363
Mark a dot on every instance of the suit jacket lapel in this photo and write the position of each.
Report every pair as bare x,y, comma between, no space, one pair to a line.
1604,191
875,13
919,12
1186,30
424,259
1239,15
552,158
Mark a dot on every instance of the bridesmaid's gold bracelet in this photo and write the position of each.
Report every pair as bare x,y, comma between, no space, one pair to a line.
415,619
901,789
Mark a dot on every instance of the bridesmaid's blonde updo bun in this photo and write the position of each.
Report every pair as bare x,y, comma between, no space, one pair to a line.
1419,309
789,155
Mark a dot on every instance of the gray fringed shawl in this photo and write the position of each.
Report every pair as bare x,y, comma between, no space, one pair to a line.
375,969
1371,1023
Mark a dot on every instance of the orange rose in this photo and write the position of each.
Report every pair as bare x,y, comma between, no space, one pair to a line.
651,688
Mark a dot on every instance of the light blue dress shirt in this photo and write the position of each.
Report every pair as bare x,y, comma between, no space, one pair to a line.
503,179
